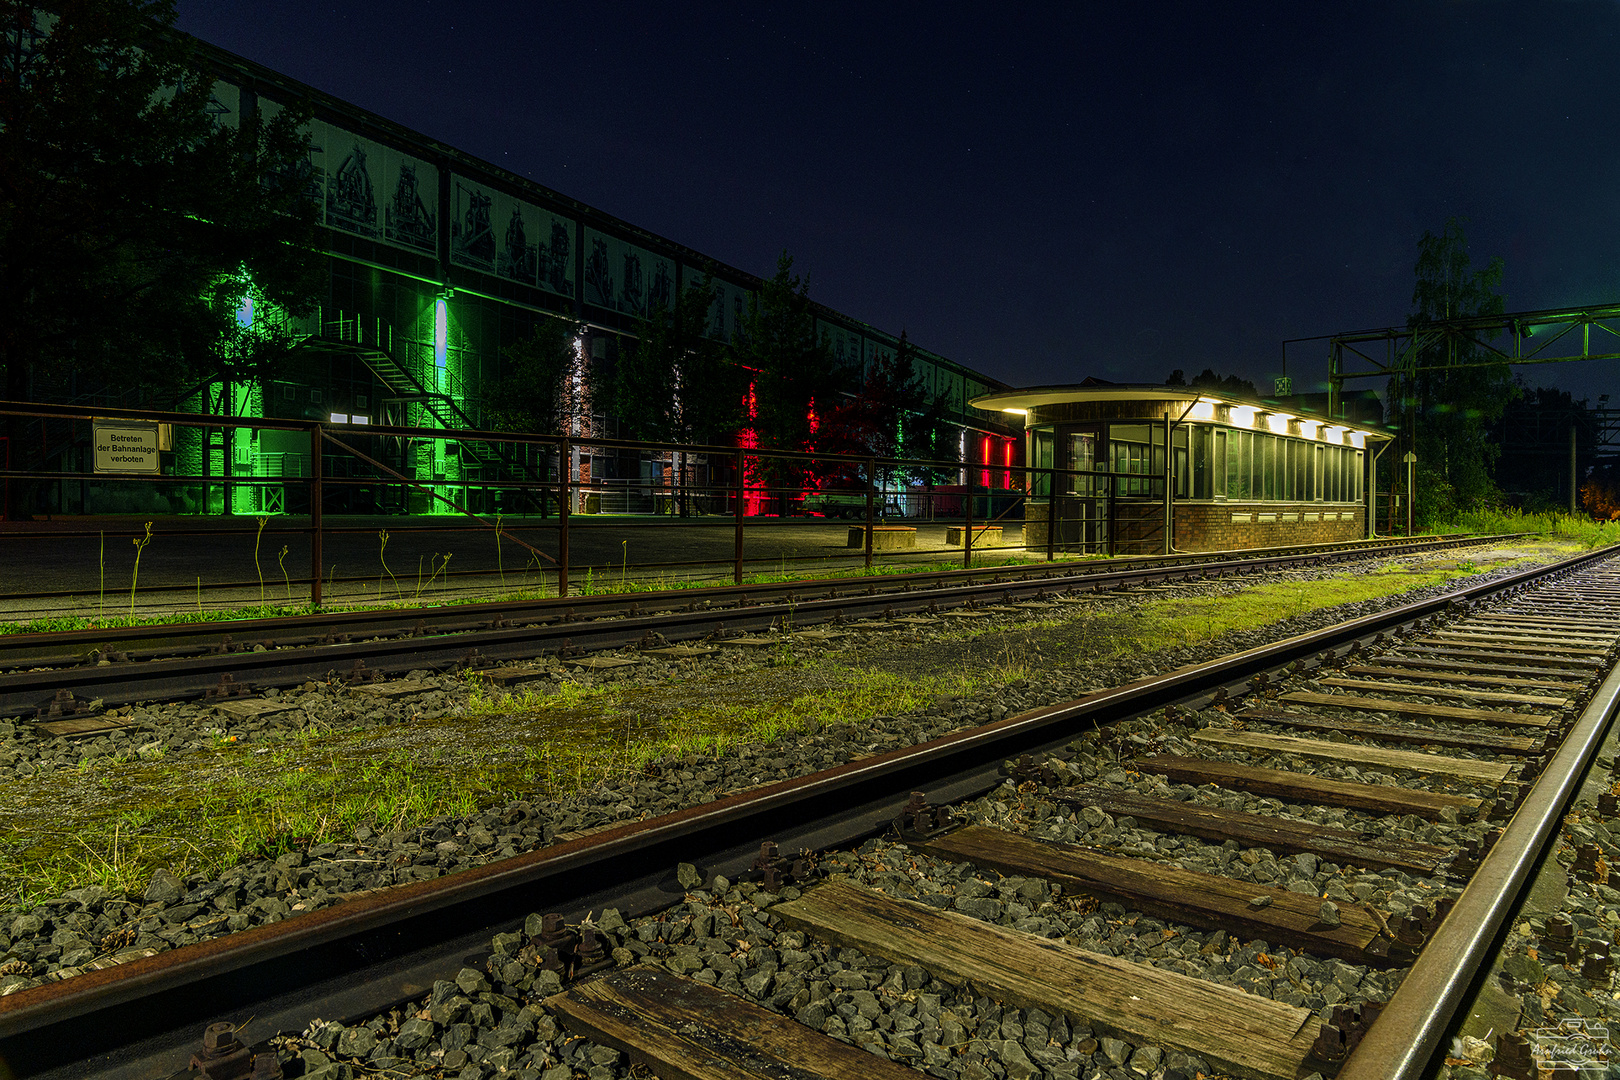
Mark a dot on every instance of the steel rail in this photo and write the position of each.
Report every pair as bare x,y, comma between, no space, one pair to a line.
371,953
1403,1042
172,675
375,620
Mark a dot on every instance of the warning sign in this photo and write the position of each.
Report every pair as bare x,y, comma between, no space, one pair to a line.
126,446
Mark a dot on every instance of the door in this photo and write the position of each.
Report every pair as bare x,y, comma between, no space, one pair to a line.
1078,504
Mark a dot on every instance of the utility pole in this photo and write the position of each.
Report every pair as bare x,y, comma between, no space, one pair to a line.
1574,475
1411,486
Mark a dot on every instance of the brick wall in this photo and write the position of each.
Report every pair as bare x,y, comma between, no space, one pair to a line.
1231,526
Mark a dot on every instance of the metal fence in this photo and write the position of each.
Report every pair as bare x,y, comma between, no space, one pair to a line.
563,506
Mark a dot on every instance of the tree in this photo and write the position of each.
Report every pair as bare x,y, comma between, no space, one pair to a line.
1230,385
132,226
673,383
533,387
794,383
1450,390
794,372
1531,439
893,416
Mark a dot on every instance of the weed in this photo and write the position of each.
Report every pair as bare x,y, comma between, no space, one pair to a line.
382,547
281,561
101,604
263,521
140,543
500,563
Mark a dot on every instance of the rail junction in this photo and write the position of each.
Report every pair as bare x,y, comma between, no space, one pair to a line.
1475,714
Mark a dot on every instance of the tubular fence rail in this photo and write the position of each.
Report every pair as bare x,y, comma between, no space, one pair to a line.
504,484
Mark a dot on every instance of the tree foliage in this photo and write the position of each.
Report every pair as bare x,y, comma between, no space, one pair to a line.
674,383
1209,380
533,386
1451,390
894,416
793,372
131,224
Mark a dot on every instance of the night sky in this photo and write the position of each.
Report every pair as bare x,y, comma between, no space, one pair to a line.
1076,189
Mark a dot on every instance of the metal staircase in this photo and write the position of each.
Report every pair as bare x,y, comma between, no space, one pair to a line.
372,342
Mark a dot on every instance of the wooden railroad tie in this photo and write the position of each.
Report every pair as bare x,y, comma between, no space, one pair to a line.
1240,1032
683,1029
1306,787
1499,717
1188,896
1510,645
1257,830
1488,772
1418,669
1561,663
1511,697
1402,733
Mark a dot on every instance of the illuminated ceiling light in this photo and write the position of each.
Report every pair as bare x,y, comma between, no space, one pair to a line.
1358,440
1309,428
1211,401
1201,410
1242,416
340,418
1277,422
1017,412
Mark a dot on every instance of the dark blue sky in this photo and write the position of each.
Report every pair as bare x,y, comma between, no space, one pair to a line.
1043,193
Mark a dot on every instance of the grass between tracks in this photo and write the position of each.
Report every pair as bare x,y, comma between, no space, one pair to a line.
113,822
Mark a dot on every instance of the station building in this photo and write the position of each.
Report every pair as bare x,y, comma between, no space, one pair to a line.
437,262
1238,473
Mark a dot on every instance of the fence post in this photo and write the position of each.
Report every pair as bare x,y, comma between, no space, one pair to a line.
871,479
315,554
564,498
737,552
967,521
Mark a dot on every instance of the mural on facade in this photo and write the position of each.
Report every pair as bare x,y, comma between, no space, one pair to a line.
625,278
361,186
225,105
501,234
408,220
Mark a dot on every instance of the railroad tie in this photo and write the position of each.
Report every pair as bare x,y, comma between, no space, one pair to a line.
681,1028
1306,787
1188,896
1489,772
1239,1032
1258,830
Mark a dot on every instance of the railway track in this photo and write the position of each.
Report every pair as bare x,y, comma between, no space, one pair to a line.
1448,681
71,675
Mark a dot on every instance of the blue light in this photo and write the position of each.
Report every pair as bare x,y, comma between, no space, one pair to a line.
441,331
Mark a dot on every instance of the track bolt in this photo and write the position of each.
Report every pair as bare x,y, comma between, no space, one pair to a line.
223,1057
1598,967
1409,931
1329,1045
1513,1058
1608,804
266,1066
1586,861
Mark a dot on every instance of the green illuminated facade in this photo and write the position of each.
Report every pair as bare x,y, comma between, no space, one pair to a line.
438,262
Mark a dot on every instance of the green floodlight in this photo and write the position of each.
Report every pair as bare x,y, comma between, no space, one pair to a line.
441,331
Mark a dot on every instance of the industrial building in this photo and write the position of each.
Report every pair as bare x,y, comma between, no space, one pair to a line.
438,261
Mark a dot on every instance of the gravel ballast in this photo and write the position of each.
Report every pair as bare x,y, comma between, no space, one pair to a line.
489,1021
